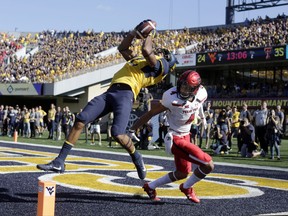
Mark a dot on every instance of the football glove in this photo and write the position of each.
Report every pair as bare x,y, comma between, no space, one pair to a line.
133,135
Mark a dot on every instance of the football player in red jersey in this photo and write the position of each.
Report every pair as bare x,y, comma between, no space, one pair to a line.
139,72
183,103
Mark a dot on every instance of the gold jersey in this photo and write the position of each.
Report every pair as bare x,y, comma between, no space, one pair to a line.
138,74
235,119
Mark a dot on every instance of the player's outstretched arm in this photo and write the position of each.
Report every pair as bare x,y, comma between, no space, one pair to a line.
147,51
156,109
124,47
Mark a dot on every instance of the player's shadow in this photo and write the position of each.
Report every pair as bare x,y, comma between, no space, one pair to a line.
94,197
86,197
7,196
90,197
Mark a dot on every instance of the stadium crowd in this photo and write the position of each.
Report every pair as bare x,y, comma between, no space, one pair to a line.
66,54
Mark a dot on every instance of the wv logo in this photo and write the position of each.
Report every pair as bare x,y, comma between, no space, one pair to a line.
50,190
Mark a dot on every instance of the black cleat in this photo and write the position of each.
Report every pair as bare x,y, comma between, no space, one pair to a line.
53,166
140,166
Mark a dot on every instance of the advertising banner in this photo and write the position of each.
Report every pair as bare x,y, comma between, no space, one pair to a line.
21,89
186,60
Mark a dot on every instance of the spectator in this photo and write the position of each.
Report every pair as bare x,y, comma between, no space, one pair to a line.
247,135
272,136
26,123
66,119
281,128
37,121
109,126
95,129
2,114
33,123
58,123
146,135
281,116
145,98
51,121
245,113
209,115
20,120
42,114
163,127
5,123
71,117
194,130
260,117
11,120
235,123
223,128
229,116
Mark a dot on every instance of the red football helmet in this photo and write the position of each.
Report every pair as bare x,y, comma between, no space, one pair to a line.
188,84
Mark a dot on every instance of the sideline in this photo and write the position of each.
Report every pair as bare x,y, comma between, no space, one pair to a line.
150,156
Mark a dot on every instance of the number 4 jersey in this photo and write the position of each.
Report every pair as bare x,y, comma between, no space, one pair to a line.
182,112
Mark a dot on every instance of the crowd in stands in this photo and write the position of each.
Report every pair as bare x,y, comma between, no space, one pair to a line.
65,54
248,90
250,34
8,46
59,56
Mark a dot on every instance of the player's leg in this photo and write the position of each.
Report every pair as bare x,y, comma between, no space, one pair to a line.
183,168
122,102
94,109
184,149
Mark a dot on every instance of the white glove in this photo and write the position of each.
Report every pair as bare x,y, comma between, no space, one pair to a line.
133,136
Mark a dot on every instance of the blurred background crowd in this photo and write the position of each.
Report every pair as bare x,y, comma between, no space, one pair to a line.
65,54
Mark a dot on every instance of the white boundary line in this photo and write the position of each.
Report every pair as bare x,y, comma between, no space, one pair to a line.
153,156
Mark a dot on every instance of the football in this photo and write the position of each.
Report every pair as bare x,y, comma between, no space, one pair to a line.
144,28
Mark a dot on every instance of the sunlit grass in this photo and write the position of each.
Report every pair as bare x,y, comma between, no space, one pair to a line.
233,157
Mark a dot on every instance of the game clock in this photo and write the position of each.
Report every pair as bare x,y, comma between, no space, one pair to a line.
242,56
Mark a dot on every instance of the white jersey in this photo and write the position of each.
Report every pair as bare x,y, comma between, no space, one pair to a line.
181,112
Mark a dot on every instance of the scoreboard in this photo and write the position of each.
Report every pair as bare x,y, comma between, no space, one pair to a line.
271,53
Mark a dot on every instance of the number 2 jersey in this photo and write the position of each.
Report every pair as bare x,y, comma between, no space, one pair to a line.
182,112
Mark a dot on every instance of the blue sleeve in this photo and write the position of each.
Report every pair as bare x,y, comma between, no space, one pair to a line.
166,67
157,70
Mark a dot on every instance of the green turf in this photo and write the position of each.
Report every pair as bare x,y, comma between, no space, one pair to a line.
233,157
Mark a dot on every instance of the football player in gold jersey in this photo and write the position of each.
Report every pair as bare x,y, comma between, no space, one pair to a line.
139,72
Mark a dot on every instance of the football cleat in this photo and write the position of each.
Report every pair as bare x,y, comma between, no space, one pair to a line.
140,166
150,192
190,194
53,166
